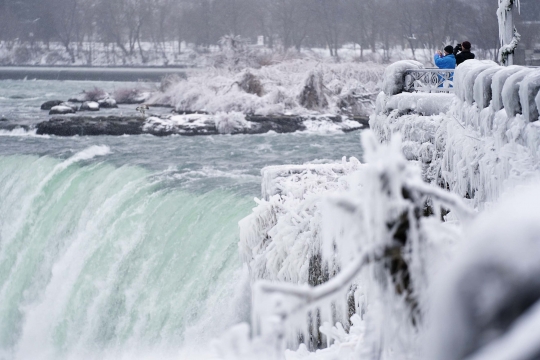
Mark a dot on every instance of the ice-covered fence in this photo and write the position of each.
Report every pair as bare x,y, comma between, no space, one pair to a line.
484,83
375,228
429,80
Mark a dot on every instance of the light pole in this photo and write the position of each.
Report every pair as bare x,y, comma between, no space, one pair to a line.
508,35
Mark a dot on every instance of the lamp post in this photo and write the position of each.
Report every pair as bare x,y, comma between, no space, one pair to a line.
508,35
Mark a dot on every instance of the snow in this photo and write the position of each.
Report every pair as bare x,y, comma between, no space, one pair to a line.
349,89
482,87
470,292
490,284
510,92
62,109
394,75
528,90
498,82
424,104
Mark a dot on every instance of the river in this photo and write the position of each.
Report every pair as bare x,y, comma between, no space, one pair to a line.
126,247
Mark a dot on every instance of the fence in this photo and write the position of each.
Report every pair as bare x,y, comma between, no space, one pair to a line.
429,80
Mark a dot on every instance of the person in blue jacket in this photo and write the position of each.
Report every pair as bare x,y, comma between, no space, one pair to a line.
446,61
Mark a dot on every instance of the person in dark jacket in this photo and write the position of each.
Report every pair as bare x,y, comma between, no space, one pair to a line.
463,52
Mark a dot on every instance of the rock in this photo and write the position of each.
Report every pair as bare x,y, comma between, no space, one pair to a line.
88,126
48,105
89,106
61,110
187,125
74,106
108,103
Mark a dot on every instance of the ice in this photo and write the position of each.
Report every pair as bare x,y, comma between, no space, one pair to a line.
278,89
394,75
498,82
463,83
482,87
471,77
510,92
492,283
424,104
528,90
280,237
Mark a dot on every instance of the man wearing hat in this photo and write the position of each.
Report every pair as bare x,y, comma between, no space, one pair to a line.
446,60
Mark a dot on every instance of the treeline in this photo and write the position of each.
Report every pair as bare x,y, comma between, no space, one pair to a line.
285,24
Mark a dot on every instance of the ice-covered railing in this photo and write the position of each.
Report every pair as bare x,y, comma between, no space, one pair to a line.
429,80
484,83
378,230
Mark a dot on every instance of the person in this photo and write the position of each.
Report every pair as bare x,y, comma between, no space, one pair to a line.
464,50
446,61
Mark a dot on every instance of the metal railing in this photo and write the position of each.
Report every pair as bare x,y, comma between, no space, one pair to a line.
429,80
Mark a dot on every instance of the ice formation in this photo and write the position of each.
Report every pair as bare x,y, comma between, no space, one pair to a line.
387,231
291,87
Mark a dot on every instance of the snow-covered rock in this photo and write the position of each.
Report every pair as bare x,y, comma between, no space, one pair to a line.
108,103
61,110
89,106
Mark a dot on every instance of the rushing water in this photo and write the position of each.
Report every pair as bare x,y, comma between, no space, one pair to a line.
126,247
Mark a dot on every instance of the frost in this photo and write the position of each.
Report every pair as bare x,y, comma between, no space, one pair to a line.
498,82
394,75
528,90
510,92
293,87
482,87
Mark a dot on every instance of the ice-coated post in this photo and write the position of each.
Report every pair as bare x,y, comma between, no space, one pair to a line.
509,34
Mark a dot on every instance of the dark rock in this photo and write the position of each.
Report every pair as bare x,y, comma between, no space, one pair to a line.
89,106
87,126
136,125
61,110
48,105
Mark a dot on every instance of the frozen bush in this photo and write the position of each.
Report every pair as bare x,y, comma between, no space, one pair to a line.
313,95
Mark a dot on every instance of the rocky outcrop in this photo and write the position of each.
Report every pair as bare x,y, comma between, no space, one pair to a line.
87,125
48,105
187,125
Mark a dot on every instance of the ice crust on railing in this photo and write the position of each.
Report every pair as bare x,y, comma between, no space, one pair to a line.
282,235
498,82
482,86
471,77
494,276
371,228
394,75
528,91
510,93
